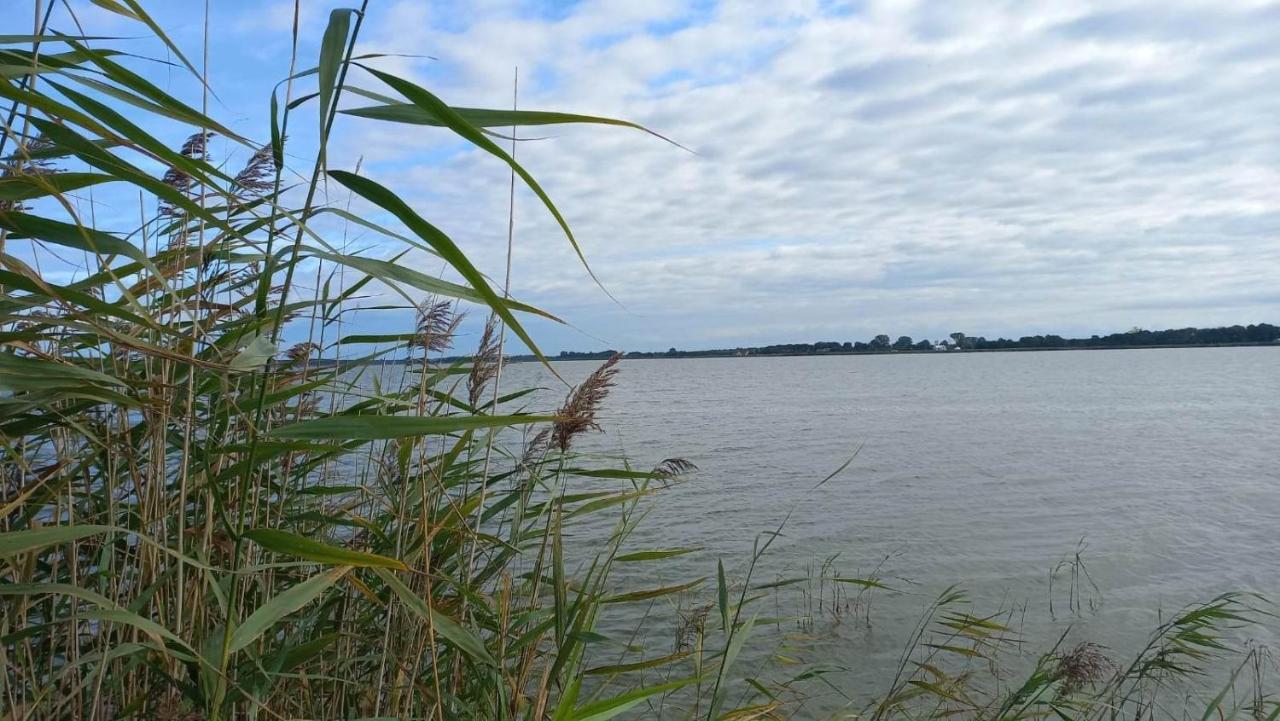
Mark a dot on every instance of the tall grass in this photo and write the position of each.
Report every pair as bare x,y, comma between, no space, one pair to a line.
202,521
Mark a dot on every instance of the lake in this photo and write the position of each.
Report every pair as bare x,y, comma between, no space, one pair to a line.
983,470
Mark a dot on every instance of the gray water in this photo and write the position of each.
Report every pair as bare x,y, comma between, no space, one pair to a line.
982,470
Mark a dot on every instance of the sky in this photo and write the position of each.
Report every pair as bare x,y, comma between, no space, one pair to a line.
998,168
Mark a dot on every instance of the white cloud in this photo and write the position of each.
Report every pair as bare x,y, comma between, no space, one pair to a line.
278,18
896,167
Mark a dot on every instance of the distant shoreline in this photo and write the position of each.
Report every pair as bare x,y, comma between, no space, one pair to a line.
1254,334
696,355
1234,336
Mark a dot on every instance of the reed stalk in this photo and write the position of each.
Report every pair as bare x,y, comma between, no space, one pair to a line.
200,520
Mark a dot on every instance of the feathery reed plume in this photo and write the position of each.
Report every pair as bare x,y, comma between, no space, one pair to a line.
196,147
534,448
578,415
256,176
1084,665
690,624
674,468
485,362
436,324
300,352
21,163
178,180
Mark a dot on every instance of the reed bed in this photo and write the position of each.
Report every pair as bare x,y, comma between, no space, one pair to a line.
202,520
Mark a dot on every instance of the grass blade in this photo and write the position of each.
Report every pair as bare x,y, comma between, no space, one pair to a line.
271,612
445,626
274,539
385,199
15,542
332,45
424,99
368,428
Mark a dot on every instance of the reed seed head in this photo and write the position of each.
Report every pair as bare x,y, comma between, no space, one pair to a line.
1084,665
21,163
534,448
300,352
436,324
672,468
195,147
578,415
690,625
257,176
485,363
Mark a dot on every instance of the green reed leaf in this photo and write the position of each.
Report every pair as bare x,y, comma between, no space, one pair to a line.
387,271
332,46
290,544
19,63
271,612
636,665
616,473
255,354
489,118
134,11
80,237
654,555
385,199
197,168
28,39
28,187
863,582
175,108
32,539
446,627
277,139
564,707
424,99
40,293
653,592
29,373
737,639
722,596
290,658
129,618
368,428
610,707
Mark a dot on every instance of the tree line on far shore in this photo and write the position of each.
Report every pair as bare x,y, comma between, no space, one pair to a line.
1261,333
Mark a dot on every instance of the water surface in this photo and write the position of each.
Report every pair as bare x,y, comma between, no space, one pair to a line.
978,469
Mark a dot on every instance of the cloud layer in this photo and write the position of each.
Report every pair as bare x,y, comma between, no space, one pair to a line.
896,167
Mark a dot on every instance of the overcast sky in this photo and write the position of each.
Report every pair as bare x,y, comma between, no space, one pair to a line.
997,168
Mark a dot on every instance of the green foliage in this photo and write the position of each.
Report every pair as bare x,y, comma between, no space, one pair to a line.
240,527
197,525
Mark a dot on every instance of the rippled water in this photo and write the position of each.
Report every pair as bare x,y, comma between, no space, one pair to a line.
977,469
